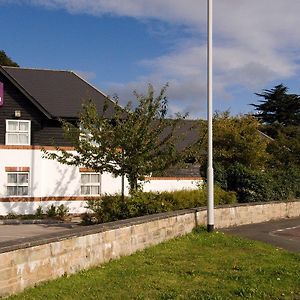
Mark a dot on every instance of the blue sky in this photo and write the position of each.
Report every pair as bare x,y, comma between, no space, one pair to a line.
122,45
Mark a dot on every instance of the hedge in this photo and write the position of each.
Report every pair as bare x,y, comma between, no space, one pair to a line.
113,207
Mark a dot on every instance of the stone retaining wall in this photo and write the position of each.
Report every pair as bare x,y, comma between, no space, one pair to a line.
24,264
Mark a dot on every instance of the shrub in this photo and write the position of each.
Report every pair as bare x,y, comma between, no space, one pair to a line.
224,197
62,211
12,215
270,185
88,219
39,212
114,207
250,186
286,182
51,211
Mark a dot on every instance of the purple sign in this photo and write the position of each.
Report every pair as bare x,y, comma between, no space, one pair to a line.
1,94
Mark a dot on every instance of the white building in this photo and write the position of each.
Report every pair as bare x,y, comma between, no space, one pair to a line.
31,103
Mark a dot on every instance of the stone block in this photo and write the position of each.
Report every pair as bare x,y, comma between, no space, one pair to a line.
39,253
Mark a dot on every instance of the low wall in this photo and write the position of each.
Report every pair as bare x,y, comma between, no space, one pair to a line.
24,264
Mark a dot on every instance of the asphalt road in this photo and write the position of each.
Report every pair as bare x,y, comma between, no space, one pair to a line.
283,233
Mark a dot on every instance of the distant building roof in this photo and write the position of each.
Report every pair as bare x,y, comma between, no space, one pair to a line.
60,93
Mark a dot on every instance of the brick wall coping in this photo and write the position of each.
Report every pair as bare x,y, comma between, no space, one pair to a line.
87,230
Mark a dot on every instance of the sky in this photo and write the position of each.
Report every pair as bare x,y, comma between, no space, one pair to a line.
123,45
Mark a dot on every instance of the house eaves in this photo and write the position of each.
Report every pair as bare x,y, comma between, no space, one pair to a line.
26,93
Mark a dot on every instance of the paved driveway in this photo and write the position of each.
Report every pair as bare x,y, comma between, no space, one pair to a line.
281,233
22,231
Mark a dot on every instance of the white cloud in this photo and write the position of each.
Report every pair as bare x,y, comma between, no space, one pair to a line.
169,10
255,42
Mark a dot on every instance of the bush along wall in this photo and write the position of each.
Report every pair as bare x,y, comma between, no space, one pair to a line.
113,207
257,186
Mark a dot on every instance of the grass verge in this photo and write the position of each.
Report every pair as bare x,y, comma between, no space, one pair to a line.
196,266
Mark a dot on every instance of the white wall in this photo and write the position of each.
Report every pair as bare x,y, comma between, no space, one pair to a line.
48,178
113,185
169,185
25,208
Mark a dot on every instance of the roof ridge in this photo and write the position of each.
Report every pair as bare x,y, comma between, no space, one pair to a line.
95,88
68,71
36,69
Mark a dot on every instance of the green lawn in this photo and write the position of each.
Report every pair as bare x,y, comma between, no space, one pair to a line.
197,266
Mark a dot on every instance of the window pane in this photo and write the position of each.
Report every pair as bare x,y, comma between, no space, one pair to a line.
22,178
12,139
23,190
12,125
94,178
12,191
23,139
85,190
85,178
23,126
95,190
12,178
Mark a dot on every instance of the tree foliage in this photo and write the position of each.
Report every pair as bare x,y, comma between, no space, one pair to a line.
285,147
278,106
280,113
240,155
238,139
6,61
134,142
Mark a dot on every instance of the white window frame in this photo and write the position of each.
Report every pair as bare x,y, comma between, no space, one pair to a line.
18,132
27,184
85,135
90,184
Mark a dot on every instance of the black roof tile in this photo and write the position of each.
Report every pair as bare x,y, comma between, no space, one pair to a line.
60,93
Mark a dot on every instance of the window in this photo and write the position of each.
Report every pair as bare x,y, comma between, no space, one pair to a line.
17,132
17,183
85,135
90,184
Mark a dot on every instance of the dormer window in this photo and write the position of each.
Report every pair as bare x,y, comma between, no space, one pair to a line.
17,132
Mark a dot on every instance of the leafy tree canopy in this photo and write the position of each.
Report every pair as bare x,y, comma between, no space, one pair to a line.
285,148
135,142
6,61
238,139
278,106
280,113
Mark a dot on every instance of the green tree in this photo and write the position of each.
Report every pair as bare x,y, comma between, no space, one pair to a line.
278,106
280,113
135,142
238,139
6,61
285,147
240,154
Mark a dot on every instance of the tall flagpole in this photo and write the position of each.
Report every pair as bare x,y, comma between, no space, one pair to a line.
210,170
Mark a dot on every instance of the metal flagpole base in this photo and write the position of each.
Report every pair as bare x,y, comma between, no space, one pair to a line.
210,228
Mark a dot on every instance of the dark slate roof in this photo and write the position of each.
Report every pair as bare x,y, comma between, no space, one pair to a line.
188,132
60,93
